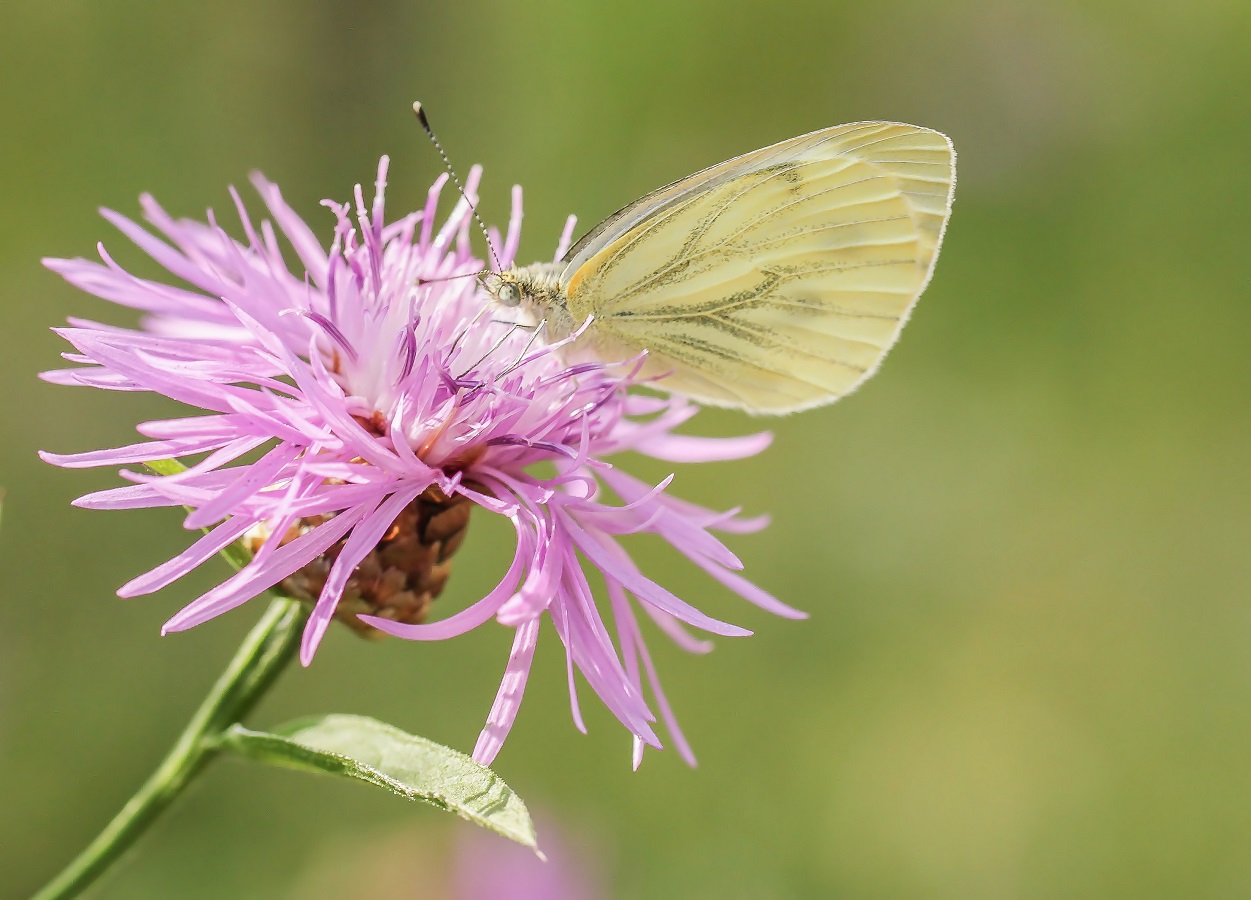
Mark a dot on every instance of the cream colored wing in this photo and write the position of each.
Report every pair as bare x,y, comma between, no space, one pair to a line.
776,281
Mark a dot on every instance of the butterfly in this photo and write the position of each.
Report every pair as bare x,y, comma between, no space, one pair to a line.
773,282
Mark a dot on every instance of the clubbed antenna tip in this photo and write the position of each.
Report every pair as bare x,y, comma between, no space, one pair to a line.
425,124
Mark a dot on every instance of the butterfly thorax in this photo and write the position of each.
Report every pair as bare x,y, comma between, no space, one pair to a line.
538,292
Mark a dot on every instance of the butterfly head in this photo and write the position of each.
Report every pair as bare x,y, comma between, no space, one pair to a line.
506,288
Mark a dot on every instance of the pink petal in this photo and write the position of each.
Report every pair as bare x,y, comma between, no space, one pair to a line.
508,699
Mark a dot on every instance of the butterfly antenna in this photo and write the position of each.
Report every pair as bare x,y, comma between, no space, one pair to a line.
425,124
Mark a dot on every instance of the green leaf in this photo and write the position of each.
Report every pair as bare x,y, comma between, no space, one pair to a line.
380,754
165,466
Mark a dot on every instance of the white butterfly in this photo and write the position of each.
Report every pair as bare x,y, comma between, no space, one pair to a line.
773,282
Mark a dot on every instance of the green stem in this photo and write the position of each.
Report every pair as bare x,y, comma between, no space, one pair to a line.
264,654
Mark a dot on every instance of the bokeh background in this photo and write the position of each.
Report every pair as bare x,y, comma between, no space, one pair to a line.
1023,545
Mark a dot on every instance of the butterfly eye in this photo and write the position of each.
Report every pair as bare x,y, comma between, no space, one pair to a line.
509,294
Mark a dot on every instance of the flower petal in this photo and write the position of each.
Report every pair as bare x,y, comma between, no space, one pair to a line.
508,698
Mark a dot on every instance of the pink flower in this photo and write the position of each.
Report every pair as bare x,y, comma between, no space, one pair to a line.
485,866
376,407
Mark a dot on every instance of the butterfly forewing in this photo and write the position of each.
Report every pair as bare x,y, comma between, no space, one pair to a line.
650,204
776,281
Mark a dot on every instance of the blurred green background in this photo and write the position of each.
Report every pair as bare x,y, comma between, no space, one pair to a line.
1023,545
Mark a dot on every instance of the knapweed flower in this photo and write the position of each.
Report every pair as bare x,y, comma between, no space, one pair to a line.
351,412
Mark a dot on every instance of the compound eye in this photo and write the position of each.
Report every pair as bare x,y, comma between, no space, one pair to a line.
509,294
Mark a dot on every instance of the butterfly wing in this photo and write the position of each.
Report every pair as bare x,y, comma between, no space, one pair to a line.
775,281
